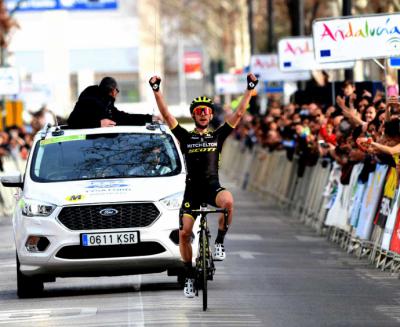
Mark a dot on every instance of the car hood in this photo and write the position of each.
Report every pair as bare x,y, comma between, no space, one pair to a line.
106,190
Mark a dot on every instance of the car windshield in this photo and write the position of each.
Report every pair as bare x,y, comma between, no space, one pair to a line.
77,157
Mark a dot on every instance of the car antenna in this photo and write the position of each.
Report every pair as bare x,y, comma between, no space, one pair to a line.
57,131
44,131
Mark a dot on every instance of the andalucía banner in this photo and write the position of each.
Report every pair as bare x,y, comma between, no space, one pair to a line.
356,37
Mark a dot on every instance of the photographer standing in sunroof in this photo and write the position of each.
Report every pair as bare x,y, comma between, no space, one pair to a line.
95,108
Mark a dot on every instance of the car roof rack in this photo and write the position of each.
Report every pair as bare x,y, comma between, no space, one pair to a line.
156,125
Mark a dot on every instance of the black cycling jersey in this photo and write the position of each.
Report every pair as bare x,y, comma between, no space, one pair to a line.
202,151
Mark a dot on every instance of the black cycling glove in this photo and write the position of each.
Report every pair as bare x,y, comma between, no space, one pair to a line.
155,85
250,83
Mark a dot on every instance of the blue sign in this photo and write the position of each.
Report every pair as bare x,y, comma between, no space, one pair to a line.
273,87
394,62
325,53
40,5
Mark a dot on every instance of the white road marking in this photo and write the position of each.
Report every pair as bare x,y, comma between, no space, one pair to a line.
8,264
244,237
392,311
132,303
303,238
247,254
19,316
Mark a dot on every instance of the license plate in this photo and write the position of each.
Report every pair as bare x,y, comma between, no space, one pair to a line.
98,239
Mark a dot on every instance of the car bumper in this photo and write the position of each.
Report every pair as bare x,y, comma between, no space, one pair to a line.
52,262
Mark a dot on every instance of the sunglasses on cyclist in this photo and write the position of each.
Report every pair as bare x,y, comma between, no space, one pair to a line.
202,110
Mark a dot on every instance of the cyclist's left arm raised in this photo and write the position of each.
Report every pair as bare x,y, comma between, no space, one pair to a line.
241,109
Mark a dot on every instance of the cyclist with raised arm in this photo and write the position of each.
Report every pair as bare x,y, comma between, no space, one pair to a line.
201,148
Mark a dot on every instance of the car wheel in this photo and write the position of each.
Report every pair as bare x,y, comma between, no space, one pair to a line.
27,286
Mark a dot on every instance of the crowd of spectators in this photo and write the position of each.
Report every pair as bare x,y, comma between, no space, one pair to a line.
16,141
356,129
363,128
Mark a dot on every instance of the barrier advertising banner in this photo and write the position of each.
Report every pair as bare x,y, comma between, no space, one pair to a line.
389,192
267,68
371,201
297,54
356,37
352,190
339,212
389,227
395,240
332,188
357,203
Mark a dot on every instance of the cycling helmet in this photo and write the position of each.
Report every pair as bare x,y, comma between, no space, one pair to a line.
201,101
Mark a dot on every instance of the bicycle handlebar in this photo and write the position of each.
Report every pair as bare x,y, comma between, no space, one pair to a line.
206,210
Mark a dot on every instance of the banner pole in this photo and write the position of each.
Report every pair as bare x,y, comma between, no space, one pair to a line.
383,67
333,92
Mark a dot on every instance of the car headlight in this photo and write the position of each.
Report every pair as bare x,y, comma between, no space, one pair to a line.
33,208
173,201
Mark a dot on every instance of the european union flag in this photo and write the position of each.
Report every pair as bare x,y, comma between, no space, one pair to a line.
325,53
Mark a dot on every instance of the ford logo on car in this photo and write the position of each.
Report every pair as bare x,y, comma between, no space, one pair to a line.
108,212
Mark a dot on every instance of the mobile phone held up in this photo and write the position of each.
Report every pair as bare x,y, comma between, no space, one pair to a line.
289,143
323,144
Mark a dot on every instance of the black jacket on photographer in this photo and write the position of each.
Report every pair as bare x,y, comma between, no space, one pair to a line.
94,104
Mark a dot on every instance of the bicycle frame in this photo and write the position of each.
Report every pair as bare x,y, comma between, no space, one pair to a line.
205,268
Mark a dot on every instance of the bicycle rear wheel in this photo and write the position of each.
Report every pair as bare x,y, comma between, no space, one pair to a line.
204,267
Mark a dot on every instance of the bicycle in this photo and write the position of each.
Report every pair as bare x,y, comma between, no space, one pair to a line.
205,268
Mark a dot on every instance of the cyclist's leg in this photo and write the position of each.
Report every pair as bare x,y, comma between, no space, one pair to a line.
224,199
185,235
221,198
186,224
185,246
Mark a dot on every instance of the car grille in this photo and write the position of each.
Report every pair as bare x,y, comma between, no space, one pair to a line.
89,217
110,251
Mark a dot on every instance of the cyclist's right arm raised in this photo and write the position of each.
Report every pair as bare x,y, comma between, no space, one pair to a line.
171,121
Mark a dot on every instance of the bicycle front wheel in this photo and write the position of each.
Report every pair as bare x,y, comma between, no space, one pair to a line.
204,266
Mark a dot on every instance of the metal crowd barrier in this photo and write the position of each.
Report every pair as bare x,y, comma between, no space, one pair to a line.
275,177
308,197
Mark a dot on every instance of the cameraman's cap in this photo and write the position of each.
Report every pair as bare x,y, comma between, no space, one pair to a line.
108,84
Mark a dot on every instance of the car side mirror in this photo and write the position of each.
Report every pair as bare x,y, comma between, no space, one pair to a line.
12,179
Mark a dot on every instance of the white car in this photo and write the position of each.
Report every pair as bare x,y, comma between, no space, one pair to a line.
98,202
